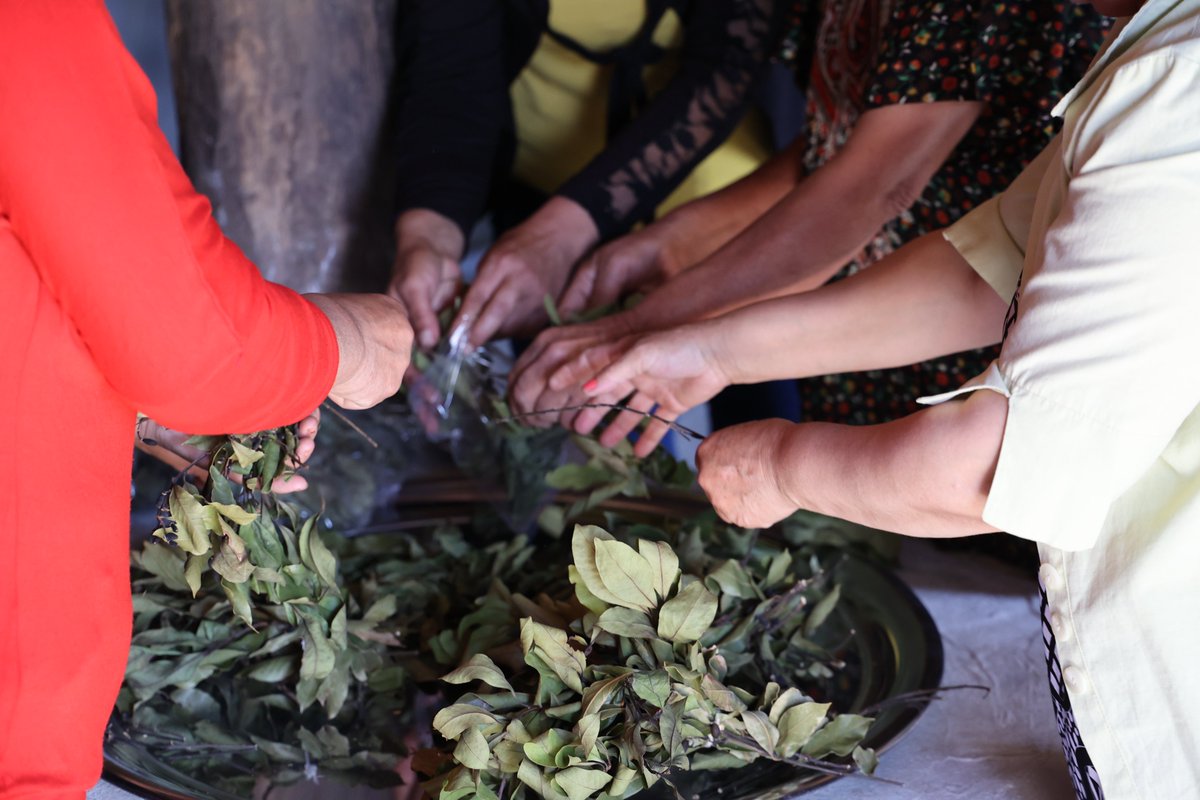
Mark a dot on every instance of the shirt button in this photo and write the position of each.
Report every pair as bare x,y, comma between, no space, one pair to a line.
1062,631
1050,578
1076,680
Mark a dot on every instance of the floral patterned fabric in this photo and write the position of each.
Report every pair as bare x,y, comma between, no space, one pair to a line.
1017,58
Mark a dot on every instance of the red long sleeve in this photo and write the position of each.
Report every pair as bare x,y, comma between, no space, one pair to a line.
117,292
177,319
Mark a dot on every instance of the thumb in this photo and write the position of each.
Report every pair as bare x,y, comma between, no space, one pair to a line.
617,377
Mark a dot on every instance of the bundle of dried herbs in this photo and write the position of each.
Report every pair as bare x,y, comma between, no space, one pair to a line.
649,673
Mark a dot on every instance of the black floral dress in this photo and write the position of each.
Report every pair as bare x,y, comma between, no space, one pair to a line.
1017,58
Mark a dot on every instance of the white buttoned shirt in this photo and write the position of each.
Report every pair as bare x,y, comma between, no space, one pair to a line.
1098,246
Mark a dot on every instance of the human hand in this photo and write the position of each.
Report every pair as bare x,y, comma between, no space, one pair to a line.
529,381
374,346
636,262
742,470
171,447
525,265
668,371
426,275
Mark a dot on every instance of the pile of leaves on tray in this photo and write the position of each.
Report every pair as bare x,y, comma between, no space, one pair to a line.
264,645
648,673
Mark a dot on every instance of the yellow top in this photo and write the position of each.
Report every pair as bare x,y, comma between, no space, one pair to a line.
560,101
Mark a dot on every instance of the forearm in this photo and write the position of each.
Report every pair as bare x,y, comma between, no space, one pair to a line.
825,219
926,475
698,229
922,301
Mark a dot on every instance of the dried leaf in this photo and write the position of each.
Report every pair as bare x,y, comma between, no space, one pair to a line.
580,783
625,574
759,726
798,724
626,622
452,720
653,687
687,616
839,737
472,750
479,668
663,563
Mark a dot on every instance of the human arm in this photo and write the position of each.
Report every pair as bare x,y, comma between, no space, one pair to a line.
724,46
452,110
827,218
922,301
177,320
646,258
925,475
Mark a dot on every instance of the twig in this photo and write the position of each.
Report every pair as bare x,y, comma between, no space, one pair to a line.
683,430
337,413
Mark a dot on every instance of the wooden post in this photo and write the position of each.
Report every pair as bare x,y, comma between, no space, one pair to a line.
283,108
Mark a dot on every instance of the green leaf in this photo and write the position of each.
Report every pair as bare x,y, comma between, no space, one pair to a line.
576,477
598,694
587,730
583,550
687,616
798,724
232,561
319,656
626,622
452,720
733,580
589,601
721,696
670,727
191,522
552,644
839,737
759,726
234,513
535,778
866,759
778,570
381,609
245,457
164,562
625,574
554,317
663,563
479,668
316,556
653,687
239,598
472,750
273,670
193,573
821,611
544,749
580,783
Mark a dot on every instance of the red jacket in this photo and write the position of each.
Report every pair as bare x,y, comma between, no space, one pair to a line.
118,292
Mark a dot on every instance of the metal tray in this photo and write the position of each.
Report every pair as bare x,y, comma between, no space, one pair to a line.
893,652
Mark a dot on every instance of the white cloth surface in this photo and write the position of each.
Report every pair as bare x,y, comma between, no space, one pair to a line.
967,746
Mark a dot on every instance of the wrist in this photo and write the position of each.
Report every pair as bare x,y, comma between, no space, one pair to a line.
346,332
573,226
423,227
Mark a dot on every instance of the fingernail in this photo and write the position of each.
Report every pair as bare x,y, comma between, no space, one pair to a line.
591,385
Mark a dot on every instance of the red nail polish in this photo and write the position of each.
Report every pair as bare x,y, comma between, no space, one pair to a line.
591,385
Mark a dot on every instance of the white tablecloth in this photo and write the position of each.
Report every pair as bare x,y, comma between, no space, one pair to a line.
997,746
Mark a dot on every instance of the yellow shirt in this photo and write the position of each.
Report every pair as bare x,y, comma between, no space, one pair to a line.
1100,462
560,101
